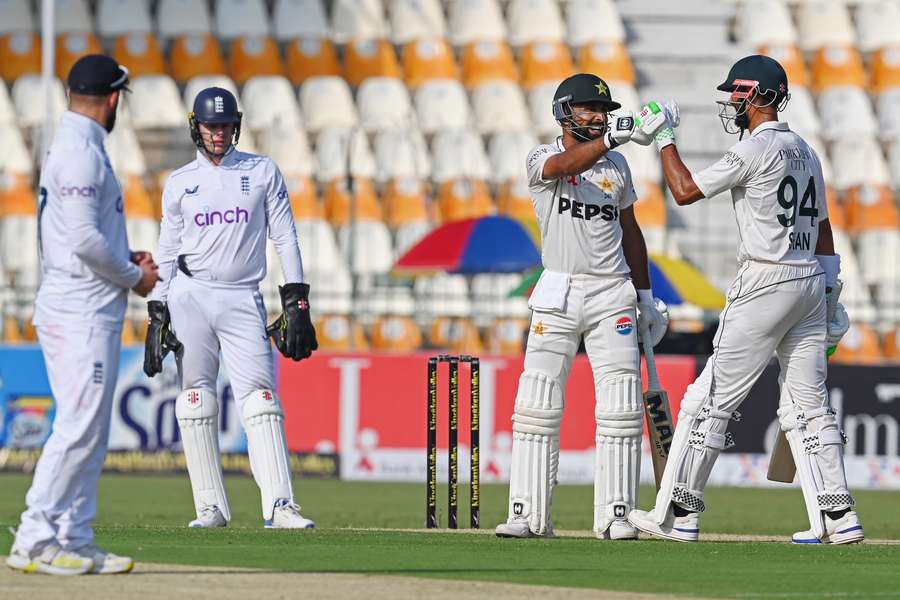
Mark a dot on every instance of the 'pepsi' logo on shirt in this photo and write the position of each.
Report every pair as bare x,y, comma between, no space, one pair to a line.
624,325
232,215
87,191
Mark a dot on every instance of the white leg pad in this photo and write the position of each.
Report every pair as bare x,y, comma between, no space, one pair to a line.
617,462
535,451
267,446
197,411
817,447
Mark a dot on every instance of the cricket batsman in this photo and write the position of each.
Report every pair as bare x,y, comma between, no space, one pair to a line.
217,213
783,300
87,270
595,285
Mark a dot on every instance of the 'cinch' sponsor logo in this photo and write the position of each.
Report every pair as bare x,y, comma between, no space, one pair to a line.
87,191
232,215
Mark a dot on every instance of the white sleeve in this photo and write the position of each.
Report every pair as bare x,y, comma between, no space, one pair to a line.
82,221
628,195
281,227
534,165
169,241
730,171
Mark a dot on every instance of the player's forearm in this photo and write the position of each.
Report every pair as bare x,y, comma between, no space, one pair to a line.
825,243
575,160
678,177
91,247
635,249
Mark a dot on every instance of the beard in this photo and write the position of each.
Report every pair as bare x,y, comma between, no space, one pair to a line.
111,119
742,119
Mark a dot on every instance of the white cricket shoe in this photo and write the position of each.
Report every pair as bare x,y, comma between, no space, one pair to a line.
105,563
287,516
210,517
52,560
517,527
618,530
846,530
679,529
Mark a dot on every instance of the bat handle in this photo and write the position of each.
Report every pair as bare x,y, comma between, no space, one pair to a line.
652,377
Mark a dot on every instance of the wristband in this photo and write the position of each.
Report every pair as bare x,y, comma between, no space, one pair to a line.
831,264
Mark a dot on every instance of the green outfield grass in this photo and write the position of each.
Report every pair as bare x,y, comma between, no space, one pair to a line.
145,516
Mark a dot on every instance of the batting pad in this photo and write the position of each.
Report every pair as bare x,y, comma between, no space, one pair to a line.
617,463
267,446
197,412
535,450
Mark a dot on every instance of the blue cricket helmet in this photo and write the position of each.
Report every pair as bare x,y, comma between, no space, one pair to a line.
214,105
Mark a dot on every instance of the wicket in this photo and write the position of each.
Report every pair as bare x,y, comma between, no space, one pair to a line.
453,448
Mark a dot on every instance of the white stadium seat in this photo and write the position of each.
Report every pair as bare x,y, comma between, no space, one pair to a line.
384,103
818,146
201,82
490,296
474,20
327,102
507,151
848,113
442,104
443,295
336,148
22,268
643,161
289,147
7,110
155,103
270,102
121,17
371,247
293,19
358,20
855,296
858,161
801,114
625,94
765,22
534,21
125,152
28,98
182,17
14,154
458,153
876,23
239,18
142,233
824,23
69,16
540,105
583,16
401,152
416,19
879,255
888,109
15,15
499,106
894,163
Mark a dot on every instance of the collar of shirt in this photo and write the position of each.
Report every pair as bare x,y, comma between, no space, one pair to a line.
86,126
229,159
776,125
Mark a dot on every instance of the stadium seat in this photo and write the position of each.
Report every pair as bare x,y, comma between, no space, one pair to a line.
793,62
14,154
463,199
339,150
491,299
338,202
269,102
300,19
117,18
371,252
404,202
583,17
241,18
540,106
442,104
607,58
15,16
396,334
875,23
625,94
416,19
142,233
28,98
872,214
650,212
848,112
801,114
455,334
140,52
858,162
7,110
194,55
358,20
643,161
369,58
442,295
499,106
401,152
182,17
507,151
545,61
69,16
834,66
514,199
534,21
384,103
888,108
253,57
763,22
318,245
20,54
311,57
885,69
201,82
476,20
70,47
892,344
125,152
305,203
428,59
289,147
340,333
458,153
409,234
331,290
856,297
155,103
824,22
888,294
506,337
858,346
487,60
18,230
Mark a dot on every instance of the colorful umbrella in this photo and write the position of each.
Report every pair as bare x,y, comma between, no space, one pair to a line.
481,245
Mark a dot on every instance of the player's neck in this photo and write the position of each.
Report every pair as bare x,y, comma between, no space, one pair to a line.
760,117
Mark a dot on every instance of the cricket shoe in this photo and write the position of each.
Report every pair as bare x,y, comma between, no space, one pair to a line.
52,560
210,517
287,516
845,530
518,528
618,530
105,563
679,529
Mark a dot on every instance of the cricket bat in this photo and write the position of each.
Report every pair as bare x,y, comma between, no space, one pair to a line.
659,416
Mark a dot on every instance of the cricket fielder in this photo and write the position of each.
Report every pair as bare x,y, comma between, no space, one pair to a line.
217,211
87,271
595,278
782,301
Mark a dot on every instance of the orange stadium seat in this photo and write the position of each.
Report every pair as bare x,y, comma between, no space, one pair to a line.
428,59
305,202
463,199
859,345
251,56
545,61
885,69
869,208
487,60
837,66
892,344
72,46
337,201
514,200
194,55
369,58
609,59
140,52
129,334
456,334
506,337
340,333
311,58
396,334
20,54
792,60
404,202
17,196
138,204
650,212
837,216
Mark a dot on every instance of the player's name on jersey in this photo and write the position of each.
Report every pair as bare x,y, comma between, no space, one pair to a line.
799,240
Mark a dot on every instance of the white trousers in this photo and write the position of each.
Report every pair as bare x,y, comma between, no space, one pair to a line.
82,366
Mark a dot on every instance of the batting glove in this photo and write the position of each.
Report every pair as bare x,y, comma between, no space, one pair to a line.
655,122
653,317
621,128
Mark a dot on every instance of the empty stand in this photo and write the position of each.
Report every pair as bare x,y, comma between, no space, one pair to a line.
182,17
428,59
583,16
534,21
476,20
15,15
195,55
358,20
327,102
140,52
123,17
295,19
311,57
442,104
269,101
416,20
254,56
241,18
20,54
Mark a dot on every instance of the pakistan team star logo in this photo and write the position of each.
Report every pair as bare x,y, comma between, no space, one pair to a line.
606,185
601,87
538,328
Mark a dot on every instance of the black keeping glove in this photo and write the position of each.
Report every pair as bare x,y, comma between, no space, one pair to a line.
293,332
160,339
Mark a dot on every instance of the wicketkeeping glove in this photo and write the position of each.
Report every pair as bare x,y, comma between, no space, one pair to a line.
160,338
293,332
